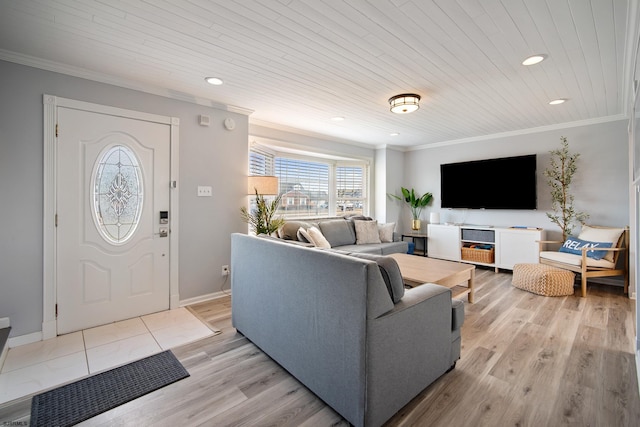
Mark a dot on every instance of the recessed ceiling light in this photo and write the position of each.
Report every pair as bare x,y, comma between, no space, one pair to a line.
337,118
394,134
534,59
214,80
557,101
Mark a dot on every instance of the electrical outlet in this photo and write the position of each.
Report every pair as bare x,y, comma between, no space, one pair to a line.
225,270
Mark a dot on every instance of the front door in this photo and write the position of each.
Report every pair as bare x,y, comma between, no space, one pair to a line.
112,192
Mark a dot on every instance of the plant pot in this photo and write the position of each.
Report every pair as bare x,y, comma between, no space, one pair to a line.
415,224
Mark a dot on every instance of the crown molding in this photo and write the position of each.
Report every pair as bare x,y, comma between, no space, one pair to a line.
539,129
57,67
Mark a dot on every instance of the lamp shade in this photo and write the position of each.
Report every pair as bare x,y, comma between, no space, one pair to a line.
404,103
262,184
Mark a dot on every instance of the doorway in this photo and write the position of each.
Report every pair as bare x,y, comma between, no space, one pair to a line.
114,231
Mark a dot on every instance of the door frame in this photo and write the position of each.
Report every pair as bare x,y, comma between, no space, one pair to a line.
49,291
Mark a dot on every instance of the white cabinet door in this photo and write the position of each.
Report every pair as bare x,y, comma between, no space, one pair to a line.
444,241
514,246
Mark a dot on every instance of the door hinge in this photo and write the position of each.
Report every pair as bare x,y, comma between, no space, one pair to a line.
56,130
56,311
56,220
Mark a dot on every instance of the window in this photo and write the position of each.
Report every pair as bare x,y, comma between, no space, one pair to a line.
312,186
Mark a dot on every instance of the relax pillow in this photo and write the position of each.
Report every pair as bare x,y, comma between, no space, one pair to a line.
386,232
390,274
593,234
367,232
573,245
317,238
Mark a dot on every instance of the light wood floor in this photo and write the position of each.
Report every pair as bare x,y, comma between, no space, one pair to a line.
526,360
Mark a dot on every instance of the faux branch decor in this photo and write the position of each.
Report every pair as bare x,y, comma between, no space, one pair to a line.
559,176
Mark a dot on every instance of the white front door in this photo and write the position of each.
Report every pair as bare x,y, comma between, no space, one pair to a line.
112,189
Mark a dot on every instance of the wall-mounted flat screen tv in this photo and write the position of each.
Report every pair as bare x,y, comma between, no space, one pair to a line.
504,183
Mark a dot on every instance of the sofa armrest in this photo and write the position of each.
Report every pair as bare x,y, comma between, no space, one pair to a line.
408,348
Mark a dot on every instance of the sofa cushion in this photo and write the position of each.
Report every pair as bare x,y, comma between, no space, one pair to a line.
576,260
596,234
386,232
367,232
317,238
337,232
573,245
390,273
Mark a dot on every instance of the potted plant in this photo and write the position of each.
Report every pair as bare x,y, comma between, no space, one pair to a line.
416,203
261,219
559,176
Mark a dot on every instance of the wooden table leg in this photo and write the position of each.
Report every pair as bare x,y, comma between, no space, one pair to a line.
472,275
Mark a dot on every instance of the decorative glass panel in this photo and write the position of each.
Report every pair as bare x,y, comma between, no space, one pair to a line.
117,194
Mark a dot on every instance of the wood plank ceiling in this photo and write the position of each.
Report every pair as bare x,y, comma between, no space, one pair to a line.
298,63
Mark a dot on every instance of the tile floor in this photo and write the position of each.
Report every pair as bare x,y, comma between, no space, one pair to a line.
38,366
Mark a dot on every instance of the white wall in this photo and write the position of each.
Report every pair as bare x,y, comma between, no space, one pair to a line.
600,185
208,156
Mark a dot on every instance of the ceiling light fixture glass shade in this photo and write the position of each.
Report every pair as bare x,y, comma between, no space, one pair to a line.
404,103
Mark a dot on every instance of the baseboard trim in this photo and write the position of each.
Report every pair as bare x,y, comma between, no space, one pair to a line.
204,298
25,339
638,364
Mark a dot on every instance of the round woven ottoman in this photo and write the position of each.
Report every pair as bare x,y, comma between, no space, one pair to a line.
543,279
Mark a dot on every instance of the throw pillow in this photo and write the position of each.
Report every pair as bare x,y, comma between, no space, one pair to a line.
573,245
386,232
367,232
595,234
303,236
390,274
317,238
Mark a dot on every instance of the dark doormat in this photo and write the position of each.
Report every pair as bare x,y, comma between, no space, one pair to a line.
73,403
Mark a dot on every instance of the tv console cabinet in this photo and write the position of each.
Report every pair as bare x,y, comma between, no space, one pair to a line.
504,246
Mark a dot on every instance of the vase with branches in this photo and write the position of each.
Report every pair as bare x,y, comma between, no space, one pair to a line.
415,202
559,174
262,219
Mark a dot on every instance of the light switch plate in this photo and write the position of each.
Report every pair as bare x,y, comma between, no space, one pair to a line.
204,191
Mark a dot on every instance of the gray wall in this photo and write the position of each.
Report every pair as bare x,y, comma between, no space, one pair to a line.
208,156
600,185
216,157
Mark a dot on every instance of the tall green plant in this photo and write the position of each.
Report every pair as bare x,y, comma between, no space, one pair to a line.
415,202
261,219
559,176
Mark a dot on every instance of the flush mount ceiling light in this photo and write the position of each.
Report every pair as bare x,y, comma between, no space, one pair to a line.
337,118
534,59
558,101
213,80
404,103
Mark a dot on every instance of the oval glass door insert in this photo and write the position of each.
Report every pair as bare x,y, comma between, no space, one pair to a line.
117,194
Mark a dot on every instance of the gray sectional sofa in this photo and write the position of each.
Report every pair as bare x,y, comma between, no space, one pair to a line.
341,234
364,346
